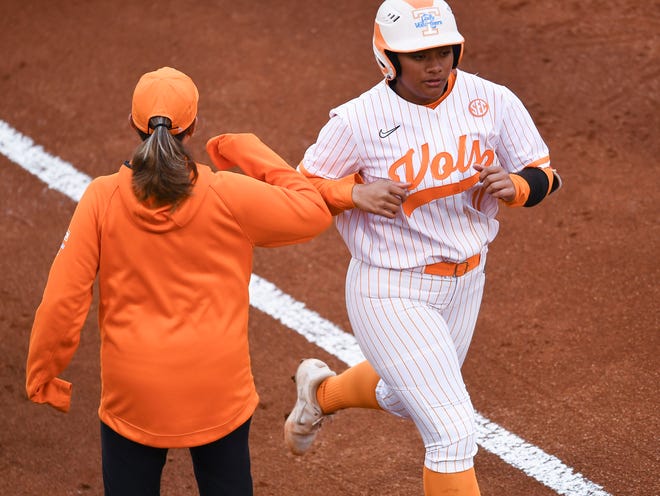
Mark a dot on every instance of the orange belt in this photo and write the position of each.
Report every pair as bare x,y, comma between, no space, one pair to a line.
452,269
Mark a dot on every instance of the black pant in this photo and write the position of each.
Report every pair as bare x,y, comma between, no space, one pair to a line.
222,468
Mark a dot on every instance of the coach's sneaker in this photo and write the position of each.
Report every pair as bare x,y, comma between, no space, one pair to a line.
304,422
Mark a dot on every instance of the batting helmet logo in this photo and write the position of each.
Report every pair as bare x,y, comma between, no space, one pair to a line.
427,20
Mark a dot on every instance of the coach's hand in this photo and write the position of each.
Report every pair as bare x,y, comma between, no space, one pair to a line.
382,197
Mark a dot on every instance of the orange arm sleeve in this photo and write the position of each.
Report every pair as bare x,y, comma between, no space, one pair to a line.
532,184
337,193
63,309
522,191
281,206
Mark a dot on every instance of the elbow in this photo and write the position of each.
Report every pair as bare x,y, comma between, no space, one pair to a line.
322,219
320,215
327,218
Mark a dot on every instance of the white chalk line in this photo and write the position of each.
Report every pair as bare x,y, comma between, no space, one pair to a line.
266,297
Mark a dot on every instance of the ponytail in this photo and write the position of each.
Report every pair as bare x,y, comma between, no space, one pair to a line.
163,170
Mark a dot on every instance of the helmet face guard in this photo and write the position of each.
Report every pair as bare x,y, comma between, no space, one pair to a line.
405,26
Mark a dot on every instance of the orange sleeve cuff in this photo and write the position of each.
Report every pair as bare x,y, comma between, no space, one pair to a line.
57,393
551,178
337,193
218,159
522,191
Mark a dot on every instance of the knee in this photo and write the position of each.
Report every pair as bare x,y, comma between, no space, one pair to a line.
453,444
454,457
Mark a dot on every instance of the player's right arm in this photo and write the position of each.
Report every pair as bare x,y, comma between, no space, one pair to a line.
382,197
332,164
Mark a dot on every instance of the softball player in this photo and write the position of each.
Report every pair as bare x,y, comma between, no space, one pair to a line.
415,169
171,242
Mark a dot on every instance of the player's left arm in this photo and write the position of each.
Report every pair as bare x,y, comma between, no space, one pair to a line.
526,176
532,185
519,189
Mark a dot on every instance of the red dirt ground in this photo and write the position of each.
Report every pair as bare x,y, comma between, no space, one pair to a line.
566,349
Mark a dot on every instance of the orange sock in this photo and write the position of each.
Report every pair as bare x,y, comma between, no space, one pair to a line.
355,387
456,484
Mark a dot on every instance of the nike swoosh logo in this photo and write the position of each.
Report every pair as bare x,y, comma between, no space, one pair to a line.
385,134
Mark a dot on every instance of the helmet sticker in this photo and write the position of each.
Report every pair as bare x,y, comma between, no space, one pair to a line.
392,17
427,20
387,14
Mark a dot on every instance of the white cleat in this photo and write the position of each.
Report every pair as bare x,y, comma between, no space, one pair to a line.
303,423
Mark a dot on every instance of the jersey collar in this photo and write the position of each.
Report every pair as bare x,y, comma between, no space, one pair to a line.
450,86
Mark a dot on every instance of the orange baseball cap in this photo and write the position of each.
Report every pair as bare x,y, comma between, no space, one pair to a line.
165,93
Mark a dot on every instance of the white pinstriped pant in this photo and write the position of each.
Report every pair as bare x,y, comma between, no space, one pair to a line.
415,330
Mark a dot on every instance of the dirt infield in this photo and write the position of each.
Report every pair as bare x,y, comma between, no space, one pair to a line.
566,351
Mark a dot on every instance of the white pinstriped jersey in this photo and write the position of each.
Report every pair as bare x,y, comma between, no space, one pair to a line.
446,216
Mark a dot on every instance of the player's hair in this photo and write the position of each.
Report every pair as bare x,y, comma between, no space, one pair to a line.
394,58
163,169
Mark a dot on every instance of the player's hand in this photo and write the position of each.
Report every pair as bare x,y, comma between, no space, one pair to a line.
496,181
382,197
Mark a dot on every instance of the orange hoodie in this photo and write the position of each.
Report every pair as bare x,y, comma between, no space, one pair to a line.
173,294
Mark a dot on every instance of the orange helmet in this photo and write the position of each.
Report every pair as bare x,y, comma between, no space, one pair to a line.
404,26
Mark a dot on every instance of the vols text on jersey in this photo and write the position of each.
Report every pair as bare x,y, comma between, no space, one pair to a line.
440,167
